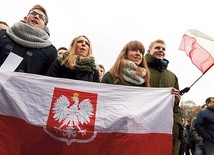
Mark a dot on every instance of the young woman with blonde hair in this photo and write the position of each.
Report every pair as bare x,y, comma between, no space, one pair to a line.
78,63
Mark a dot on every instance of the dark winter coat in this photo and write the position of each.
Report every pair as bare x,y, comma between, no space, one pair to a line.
35,60
61,71
195,138
205,124
185,138
160,76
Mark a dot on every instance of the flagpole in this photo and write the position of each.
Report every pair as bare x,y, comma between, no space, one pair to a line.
185,90
196,80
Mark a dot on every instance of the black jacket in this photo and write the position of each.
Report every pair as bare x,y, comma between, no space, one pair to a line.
205,124
35,60
61,71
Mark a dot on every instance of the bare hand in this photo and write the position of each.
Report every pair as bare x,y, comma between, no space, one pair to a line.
176,92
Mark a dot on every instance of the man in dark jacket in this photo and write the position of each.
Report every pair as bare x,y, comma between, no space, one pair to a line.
205,125
160,76
29,40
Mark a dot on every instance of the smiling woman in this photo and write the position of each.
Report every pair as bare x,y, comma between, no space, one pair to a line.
130,67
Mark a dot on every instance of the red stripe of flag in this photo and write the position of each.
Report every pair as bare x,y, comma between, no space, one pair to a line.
21,138
201,58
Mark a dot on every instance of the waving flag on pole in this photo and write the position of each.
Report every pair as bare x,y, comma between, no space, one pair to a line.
200,48
45,115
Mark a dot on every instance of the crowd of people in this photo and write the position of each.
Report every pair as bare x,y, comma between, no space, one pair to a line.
198,134
134,66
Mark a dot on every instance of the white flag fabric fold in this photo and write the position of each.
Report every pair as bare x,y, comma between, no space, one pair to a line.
200,48
45,115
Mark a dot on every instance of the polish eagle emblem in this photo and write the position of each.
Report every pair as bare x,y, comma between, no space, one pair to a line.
72,116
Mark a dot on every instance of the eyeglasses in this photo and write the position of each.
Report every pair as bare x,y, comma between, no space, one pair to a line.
34,13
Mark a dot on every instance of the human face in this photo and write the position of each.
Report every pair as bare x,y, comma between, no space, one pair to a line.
158,51
82,47
36,18
101,72
61,52
211,104
135,56
3,27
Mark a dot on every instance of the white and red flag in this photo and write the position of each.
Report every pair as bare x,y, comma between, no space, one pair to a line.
200,48
42,115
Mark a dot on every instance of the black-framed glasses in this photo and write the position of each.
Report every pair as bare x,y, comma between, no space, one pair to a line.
34,13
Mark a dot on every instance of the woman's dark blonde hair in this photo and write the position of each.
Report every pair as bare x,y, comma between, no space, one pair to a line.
70,60
116,69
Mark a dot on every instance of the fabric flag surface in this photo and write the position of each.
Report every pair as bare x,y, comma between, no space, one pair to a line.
42,115
200,48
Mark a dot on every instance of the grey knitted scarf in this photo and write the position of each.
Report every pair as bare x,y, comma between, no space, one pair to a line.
132,73
85,64
28,36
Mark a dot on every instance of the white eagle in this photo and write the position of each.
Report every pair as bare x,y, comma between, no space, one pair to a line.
72,116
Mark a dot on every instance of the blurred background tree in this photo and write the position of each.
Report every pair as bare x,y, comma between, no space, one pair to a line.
189,110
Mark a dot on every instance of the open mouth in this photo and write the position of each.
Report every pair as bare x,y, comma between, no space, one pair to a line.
35,22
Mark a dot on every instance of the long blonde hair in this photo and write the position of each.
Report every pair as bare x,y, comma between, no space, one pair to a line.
116,69
70,59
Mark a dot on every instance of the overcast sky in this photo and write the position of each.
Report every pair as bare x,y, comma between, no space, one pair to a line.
110,24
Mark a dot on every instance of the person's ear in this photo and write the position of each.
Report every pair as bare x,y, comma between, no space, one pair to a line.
25,18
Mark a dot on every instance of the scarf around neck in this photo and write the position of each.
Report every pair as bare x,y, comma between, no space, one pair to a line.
155,63
132,73
28,36
85,63
81,63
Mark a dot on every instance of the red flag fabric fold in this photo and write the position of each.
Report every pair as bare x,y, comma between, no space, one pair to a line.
200,48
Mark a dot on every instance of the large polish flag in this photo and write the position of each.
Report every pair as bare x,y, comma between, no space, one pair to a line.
42,115
200,48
